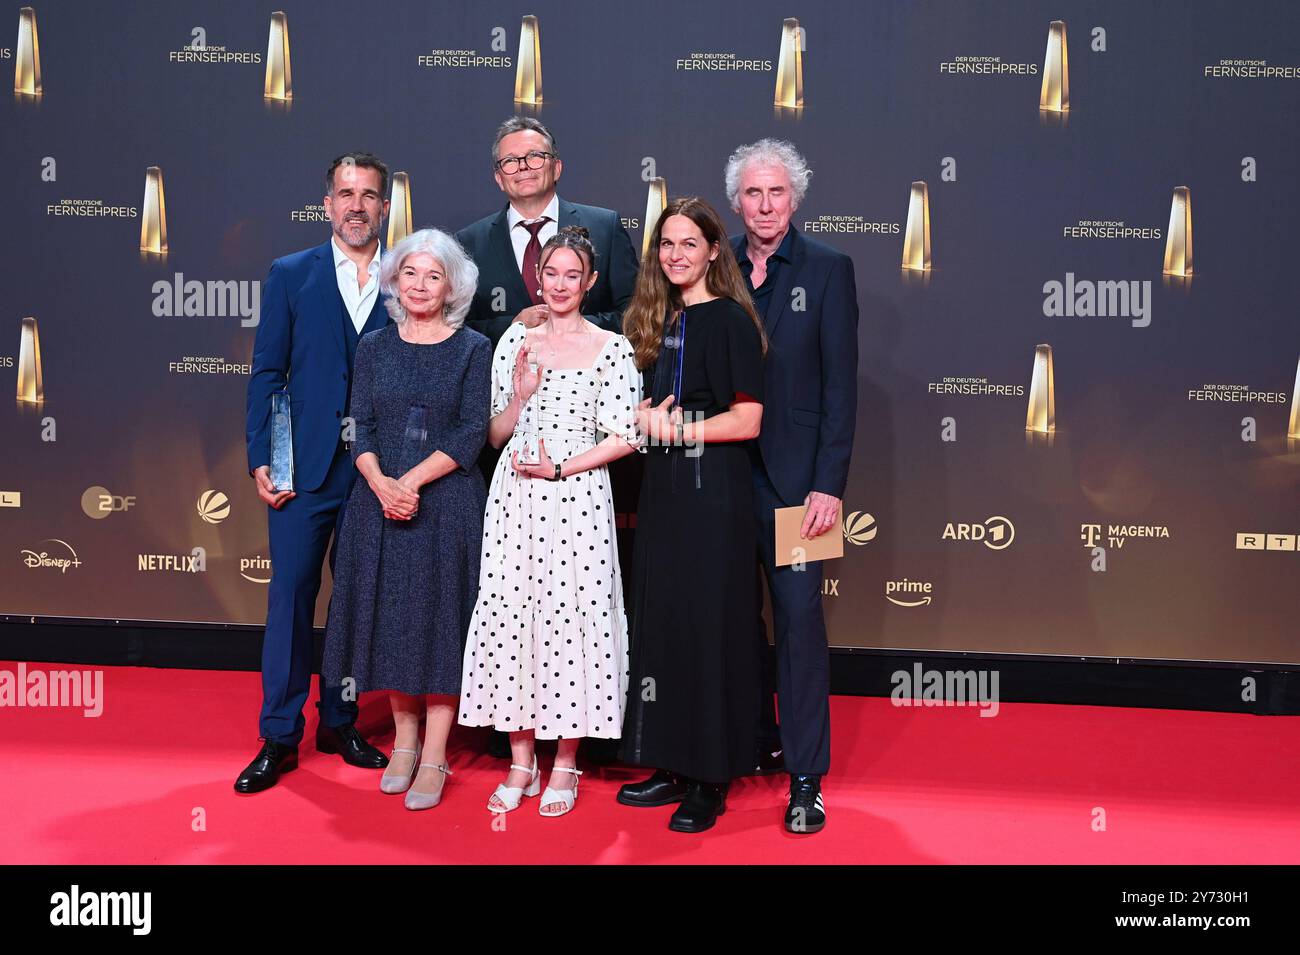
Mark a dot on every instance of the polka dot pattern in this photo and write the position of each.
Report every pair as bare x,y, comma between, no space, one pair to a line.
547,646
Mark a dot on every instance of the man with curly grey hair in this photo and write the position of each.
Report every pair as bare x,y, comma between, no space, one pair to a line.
806,294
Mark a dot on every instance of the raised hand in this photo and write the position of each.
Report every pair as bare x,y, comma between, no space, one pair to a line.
525,382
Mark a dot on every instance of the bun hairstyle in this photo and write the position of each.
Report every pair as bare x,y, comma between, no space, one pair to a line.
573,237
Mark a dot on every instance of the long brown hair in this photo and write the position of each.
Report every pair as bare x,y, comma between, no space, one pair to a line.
656,300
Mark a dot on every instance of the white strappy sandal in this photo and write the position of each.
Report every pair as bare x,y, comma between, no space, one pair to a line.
417,800
566,796
395,784
510,795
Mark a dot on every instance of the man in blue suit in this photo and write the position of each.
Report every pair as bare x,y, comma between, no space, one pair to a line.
806,294
316,304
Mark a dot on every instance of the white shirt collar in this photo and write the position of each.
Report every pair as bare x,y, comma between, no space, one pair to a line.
341,257
552,212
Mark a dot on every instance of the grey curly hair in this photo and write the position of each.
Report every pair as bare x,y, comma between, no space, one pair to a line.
768,152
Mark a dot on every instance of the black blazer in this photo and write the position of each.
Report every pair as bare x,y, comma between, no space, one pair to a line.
488,243
810,376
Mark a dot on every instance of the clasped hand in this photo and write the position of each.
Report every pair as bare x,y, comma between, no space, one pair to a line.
399,497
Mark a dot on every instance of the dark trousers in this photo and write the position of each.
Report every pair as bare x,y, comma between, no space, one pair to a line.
300,531
800,677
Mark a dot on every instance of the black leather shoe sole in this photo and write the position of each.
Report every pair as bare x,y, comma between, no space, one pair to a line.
703,825
650,803
264,781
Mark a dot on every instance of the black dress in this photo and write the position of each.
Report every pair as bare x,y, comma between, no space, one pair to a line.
404,591
693,691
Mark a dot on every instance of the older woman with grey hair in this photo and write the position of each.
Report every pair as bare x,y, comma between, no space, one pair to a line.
407,555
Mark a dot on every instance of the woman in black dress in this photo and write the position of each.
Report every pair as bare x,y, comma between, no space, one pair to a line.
693,690
407,564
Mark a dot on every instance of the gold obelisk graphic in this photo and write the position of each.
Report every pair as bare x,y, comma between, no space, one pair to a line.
916,240
153,216
1041,416
31,387
27,67
528,74
655,200
789,67
1056,71
399,209
279,73
1178,242
1293,429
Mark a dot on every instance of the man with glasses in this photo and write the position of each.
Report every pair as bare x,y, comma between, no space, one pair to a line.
506,245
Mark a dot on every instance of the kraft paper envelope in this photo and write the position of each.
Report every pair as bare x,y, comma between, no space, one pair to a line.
791,547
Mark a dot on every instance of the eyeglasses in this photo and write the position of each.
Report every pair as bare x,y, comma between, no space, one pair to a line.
533,160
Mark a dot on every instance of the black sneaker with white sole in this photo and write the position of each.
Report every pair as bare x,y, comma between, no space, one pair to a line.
806,811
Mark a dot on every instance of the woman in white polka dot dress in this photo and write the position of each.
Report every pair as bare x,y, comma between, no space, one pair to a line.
546,656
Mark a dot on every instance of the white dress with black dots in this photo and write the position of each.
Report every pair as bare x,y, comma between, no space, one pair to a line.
547,646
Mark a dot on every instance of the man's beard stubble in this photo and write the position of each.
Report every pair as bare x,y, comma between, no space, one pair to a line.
371,233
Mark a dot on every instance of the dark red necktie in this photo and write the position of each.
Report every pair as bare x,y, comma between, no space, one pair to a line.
532,255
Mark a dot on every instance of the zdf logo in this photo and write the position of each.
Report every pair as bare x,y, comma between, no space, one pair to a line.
214,506
98,502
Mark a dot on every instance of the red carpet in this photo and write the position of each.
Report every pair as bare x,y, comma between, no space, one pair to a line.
908,786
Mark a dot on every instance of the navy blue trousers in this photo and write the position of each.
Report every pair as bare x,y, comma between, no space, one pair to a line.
800,674
300,532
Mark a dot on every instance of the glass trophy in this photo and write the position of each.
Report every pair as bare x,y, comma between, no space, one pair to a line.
527,425
281,442
417,433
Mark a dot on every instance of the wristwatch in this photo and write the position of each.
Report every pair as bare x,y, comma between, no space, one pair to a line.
557,474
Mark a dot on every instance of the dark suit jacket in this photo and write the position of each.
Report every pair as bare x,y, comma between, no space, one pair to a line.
305,343
488,243
810,378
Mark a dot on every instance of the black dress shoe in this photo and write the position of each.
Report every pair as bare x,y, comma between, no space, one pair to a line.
769,762
499,744
659,790
806,812
700,810
264,771
347,742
